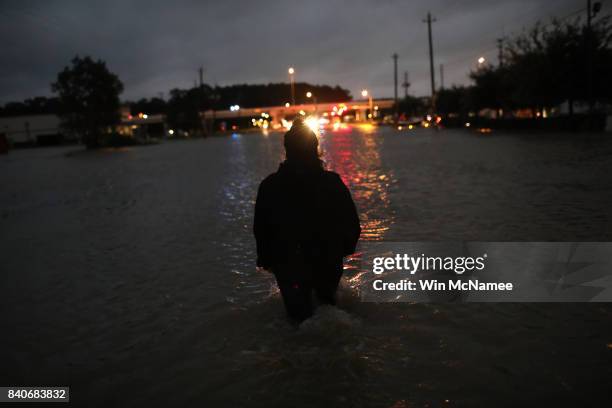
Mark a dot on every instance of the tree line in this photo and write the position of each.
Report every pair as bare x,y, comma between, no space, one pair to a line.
542,68
88,100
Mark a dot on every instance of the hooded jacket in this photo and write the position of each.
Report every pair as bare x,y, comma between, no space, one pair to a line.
304,213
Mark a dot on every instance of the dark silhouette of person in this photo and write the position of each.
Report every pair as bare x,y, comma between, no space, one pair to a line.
305,223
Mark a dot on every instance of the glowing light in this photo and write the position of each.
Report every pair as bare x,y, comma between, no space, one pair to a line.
302,113
410,127
286,124
291,71
287,104
364,93
399,128
376,108
481,60
309,94
313,123
145,116
171,132
429,118
484,130
468,124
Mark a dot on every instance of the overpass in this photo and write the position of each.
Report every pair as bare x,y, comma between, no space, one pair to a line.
358,109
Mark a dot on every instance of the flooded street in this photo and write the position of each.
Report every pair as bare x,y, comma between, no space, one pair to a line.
130,274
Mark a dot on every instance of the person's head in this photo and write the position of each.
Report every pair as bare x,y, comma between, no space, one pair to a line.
302,145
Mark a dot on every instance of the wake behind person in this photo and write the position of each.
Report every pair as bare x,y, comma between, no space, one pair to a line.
305,223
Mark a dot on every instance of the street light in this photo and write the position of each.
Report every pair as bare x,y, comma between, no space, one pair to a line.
365,94
314,98
481,60
292,80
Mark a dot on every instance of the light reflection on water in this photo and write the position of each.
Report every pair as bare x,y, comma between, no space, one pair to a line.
147,259
357,161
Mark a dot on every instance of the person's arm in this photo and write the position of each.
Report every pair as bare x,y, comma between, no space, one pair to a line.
260,227
351,226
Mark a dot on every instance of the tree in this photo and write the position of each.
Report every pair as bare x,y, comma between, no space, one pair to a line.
89,99
454,100
412,106
39,105
548,65
151,106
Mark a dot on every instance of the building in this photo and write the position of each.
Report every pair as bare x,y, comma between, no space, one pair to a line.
33,129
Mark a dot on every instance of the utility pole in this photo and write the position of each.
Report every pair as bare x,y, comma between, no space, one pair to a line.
394,56
592,10
430,20
441,76
201,75
201,97
406,84
291,72
500,51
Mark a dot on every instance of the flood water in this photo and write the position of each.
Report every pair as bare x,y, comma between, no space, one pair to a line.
129,275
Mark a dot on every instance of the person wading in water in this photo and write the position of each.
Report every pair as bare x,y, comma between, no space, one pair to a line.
305,223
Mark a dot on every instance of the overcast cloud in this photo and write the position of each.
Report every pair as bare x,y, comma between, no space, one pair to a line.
155,46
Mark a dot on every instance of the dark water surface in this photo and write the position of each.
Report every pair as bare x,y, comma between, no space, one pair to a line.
129,275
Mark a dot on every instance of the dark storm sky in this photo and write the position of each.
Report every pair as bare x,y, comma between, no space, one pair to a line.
157,45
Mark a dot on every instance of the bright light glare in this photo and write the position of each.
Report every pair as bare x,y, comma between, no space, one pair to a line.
145,116
364,93
481,60
171,132
291,71
286,124
287,105
313,123
309,94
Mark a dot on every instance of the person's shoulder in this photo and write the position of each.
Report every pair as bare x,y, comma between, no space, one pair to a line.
270,180
332,177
